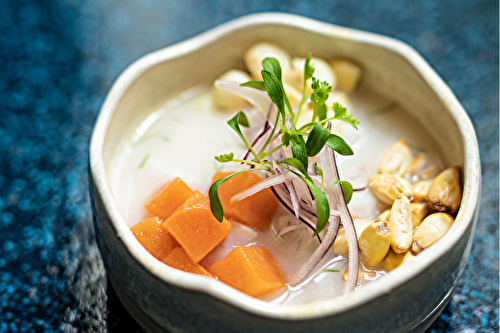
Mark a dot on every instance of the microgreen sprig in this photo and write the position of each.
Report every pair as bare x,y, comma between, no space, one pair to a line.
305,142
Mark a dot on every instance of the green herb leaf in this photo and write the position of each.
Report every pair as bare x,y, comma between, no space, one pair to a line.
274,89
317,139
272,65
213,195
308,68
243,120
331,271
299,149
234,124
319,97
224,158
339,145
319,171
341,114
256,84
347,189
296,164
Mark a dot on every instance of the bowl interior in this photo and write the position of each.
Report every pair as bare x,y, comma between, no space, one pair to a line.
390,68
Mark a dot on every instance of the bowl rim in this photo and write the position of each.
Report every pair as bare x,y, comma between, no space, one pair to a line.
346,302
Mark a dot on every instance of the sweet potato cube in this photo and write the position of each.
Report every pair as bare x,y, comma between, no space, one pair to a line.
195,228
169,199
155,239
251,270
177,258
256,211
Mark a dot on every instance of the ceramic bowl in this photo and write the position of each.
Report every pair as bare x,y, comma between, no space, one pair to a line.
162,299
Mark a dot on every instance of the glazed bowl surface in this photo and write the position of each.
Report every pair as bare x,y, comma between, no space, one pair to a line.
162,299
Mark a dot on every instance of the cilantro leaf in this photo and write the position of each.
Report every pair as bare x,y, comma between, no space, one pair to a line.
341,114
317,139
256,84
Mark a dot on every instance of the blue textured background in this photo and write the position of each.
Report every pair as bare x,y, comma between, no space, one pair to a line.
57,62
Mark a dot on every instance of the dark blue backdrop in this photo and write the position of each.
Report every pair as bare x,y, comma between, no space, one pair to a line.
59,58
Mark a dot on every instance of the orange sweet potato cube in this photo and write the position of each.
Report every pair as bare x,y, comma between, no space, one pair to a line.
256,211
177,258
195,228
153,237
169,199
249,269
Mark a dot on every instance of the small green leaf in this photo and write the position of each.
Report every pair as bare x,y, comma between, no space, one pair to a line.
308,68
234,124
243,120
299,149
213,195
317,139
285,139
224,158
274,90
272,65
295,163
341,114
319,171
256,84
347,189
331,271
339,145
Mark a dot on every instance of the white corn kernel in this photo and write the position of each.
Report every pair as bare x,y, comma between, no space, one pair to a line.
226,100
400,225
396,159
394,260
348,74
256,53
445,192
419,211
374,243
432,228
388,188
420,190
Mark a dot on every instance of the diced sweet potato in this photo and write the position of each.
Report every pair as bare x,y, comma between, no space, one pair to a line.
195,228
169,199
251,270
256,211
177,258
155,239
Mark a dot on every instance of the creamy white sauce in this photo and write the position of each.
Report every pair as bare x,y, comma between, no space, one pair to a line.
181,139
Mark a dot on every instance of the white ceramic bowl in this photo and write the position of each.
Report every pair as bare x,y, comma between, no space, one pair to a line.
163,299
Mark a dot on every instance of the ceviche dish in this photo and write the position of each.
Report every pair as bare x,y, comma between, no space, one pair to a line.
286,180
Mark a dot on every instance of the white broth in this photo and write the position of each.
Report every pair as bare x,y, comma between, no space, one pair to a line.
181,139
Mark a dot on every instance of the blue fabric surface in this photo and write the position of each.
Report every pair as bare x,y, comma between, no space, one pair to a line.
58,60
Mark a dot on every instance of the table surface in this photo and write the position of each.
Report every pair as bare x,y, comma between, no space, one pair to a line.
58,60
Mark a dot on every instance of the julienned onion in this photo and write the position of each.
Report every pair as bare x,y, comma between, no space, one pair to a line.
310,190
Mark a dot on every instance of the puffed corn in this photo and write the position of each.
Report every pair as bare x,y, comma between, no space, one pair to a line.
374,243
226,100
445,191
400,223
388,188
348,74
421,189
396,159
430,230
256,53
419,211
394,260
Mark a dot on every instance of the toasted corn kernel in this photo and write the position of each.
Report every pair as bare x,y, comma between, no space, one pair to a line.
430,230
374,243
400,224
256,53
445,192
388,188
396,159
348,74
384,216
423,166
419,211
340,244
421,189
226,100
394,260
